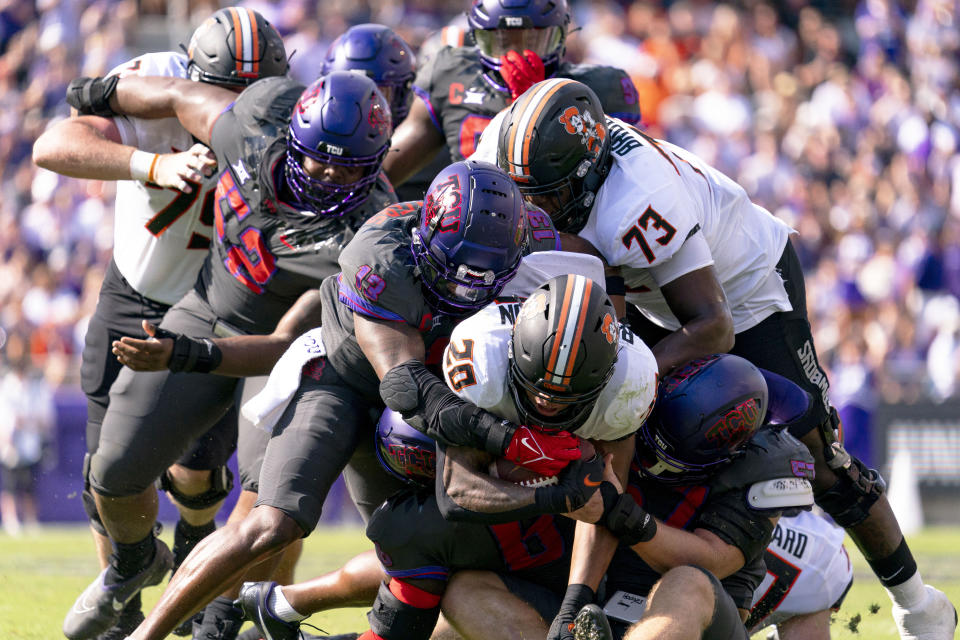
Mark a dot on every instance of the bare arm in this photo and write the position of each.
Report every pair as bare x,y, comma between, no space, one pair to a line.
242,355
387,344
90,147
593,545
84,147
413,145
672,547
468,484
698,302
196,104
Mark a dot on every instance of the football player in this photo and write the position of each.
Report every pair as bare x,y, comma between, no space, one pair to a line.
602,384
162,235
711,478
704,265
408,274
299,173
460,89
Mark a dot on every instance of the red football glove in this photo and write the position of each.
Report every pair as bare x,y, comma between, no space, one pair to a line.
521,72
541,452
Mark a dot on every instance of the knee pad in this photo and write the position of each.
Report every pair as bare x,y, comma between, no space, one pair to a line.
857,487
403,617
221,483
89,504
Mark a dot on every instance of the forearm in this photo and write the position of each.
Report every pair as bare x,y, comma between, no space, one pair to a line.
695,339
85,147
147,97
466,492
672,547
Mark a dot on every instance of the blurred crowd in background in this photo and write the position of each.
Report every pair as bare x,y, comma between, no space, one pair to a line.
842,118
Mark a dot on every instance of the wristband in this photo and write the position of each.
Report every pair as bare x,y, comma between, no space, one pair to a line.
142,165
616,286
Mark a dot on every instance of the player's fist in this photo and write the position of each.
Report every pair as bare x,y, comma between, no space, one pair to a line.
521,72
179,170
545,453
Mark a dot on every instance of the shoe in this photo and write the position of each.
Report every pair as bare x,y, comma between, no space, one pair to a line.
934,619
99,606
130,619
221,620
253,603
592,624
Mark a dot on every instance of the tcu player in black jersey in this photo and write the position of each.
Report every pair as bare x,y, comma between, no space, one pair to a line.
300,172
610,383
407,275
460,89
704,265
162,234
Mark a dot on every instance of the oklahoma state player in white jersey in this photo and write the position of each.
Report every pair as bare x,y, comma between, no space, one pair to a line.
710,272
162,232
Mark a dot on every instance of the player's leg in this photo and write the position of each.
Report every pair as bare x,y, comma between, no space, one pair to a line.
688,603
808,626
844,487
310,446
480,605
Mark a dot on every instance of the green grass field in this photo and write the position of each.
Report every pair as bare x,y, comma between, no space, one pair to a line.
42,573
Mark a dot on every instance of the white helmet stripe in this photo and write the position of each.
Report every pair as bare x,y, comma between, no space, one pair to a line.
246,32
576,307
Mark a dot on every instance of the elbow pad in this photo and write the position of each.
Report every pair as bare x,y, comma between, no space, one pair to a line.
91,96
430,407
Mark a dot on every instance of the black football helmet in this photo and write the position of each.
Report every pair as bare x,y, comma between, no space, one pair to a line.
554,144
563,350
235,47
706,410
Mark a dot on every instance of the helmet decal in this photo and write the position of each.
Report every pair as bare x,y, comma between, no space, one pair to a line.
736,424
235,46
609,328
442,208
583,124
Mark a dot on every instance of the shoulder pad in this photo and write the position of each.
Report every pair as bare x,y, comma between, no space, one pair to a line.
774,468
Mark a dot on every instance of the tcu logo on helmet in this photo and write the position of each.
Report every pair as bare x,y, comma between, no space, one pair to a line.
590,131
735,423
442,208
379,117
308,99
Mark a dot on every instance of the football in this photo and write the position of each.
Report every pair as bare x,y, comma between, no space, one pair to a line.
525,477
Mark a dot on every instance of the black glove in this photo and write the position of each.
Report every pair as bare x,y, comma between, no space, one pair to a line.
624,517
91,96
577,597
576,483
199,355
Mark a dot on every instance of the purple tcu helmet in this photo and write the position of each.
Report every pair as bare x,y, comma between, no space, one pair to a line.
383,56
342,120
470,238
501,25
705,411
405,452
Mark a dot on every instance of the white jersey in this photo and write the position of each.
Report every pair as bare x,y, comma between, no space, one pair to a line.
808,569
160,238
662,212
475,367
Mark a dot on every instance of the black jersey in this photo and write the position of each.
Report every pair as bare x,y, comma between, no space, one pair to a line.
723,507
379,279
463,96
260,263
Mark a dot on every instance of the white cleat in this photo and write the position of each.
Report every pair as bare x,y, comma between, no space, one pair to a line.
934,619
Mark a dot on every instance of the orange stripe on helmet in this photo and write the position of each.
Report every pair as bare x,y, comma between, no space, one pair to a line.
237,38
528,134
518,110
254,36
